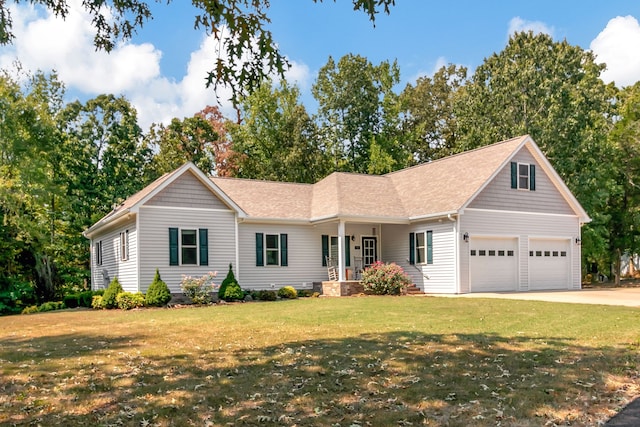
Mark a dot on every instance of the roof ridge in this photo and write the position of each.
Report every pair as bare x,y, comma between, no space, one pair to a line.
268,181
453,156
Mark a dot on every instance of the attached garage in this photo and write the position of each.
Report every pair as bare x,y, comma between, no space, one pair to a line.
493,264
549,264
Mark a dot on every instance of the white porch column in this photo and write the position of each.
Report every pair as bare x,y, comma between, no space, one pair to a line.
341,260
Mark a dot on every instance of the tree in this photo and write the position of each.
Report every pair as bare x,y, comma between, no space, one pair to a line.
429,114
222,152
276,140
191,139
553,92
352,95
241,26
624,204
100,162
29,193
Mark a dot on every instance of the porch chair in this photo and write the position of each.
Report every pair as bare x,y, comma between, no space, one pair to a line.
332,269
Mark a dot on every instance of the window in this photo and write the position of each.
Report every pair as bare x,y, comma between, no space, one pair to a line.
188,246
482,252
492,252
563,253
555,253
333,248
97,249
509,253
523,176
530,253
547,253
473,252
124,245
500,253
272,249
538,253
421,247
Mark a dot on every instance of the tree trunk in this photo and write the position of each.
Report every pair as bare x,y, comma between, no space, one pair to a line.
618,264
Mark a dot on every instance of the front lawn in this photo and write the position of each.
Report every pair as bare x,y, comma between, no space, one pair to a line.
378,361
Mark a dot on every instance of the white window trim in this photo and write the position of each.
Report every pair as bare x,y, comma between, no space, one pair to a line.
124,245
197,245
425,247
528,176
267,250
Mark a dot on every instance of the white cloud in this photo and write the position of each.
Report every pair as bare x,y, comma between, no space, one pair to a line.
518,24
617,46
45,42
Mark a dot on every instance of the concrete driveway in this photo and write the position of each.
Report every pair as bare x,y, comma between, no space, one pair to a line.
611,296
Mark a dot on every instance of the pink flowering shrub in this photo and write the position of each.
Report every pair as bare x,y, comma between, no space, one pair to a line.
199,289
384,279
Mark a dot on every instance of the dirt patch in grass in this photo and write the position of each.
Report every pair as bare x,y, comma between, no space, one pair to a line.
335,362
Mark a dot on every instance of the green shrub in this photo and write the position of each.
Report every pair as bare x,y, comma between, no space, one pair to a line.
384,279
199,289
265,295
30,310
85,298
96,302
128,300
70,300
287,292
51,305
304,293
109,297
158,293
229,288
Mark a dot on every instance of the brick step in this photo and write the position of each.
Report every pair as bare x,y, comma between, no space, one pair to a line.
413,290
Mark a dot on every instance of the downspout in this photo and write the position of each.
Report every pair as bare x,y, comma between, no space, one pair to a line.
237,219
456,251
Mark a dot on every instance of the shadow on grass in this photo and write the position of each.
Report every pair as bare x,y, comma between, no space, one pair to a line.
399,378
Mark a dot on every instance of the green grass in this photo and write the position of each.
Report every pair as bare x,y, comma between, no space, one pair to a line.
378,361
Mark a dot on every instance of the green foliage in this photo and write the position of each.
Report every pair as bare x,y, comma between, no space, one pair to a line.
51,306
15,295
198,289
384,279
85,299
158,293
266,295
287,292
229,288
109,297
277,139
97,302
129,300
30,309
71,300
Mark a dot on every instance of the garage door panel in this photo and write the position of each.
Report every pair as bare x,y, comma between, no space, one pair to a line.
549,264
493,264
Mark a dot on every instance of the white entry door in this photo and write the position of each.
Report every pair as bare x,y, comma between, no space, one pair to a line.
493,264
369,251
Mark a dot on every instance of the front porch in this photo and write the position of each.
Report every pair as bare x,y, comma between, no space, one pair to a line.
336,288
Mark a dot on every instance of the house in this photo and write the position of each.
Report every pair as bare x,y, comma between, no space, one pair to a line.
498,218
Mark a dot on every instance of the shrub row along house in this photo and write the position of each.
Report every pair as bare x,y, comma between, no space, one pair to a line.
498,218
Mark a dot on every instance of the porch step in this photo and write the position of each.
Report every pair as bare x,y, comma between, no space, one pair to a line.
414,290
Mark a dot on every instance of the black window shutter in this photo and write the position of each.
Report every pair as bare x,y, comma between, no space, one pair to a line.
412,248
284,256
347,250
325,249
429,247
514,175
259,250
204,246
173,246
532,177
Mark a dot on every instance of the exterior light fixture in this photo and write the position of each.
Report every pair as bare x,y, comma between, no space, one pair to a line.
465,237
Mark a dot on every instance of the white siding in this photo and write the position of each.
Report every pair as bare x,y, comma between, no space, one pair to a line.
187,192
525,226
112,265
154,226
499,195
304,256
438,277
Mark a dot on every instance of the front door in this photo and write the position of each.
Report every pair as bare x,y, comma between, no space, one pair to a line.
369,251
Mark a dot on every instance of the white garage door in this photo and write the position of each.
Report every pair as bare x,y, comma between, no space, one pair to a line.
549,264
493,264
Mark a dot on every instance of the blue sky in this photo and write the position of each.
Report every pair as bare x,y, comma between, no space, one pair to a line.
162,69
